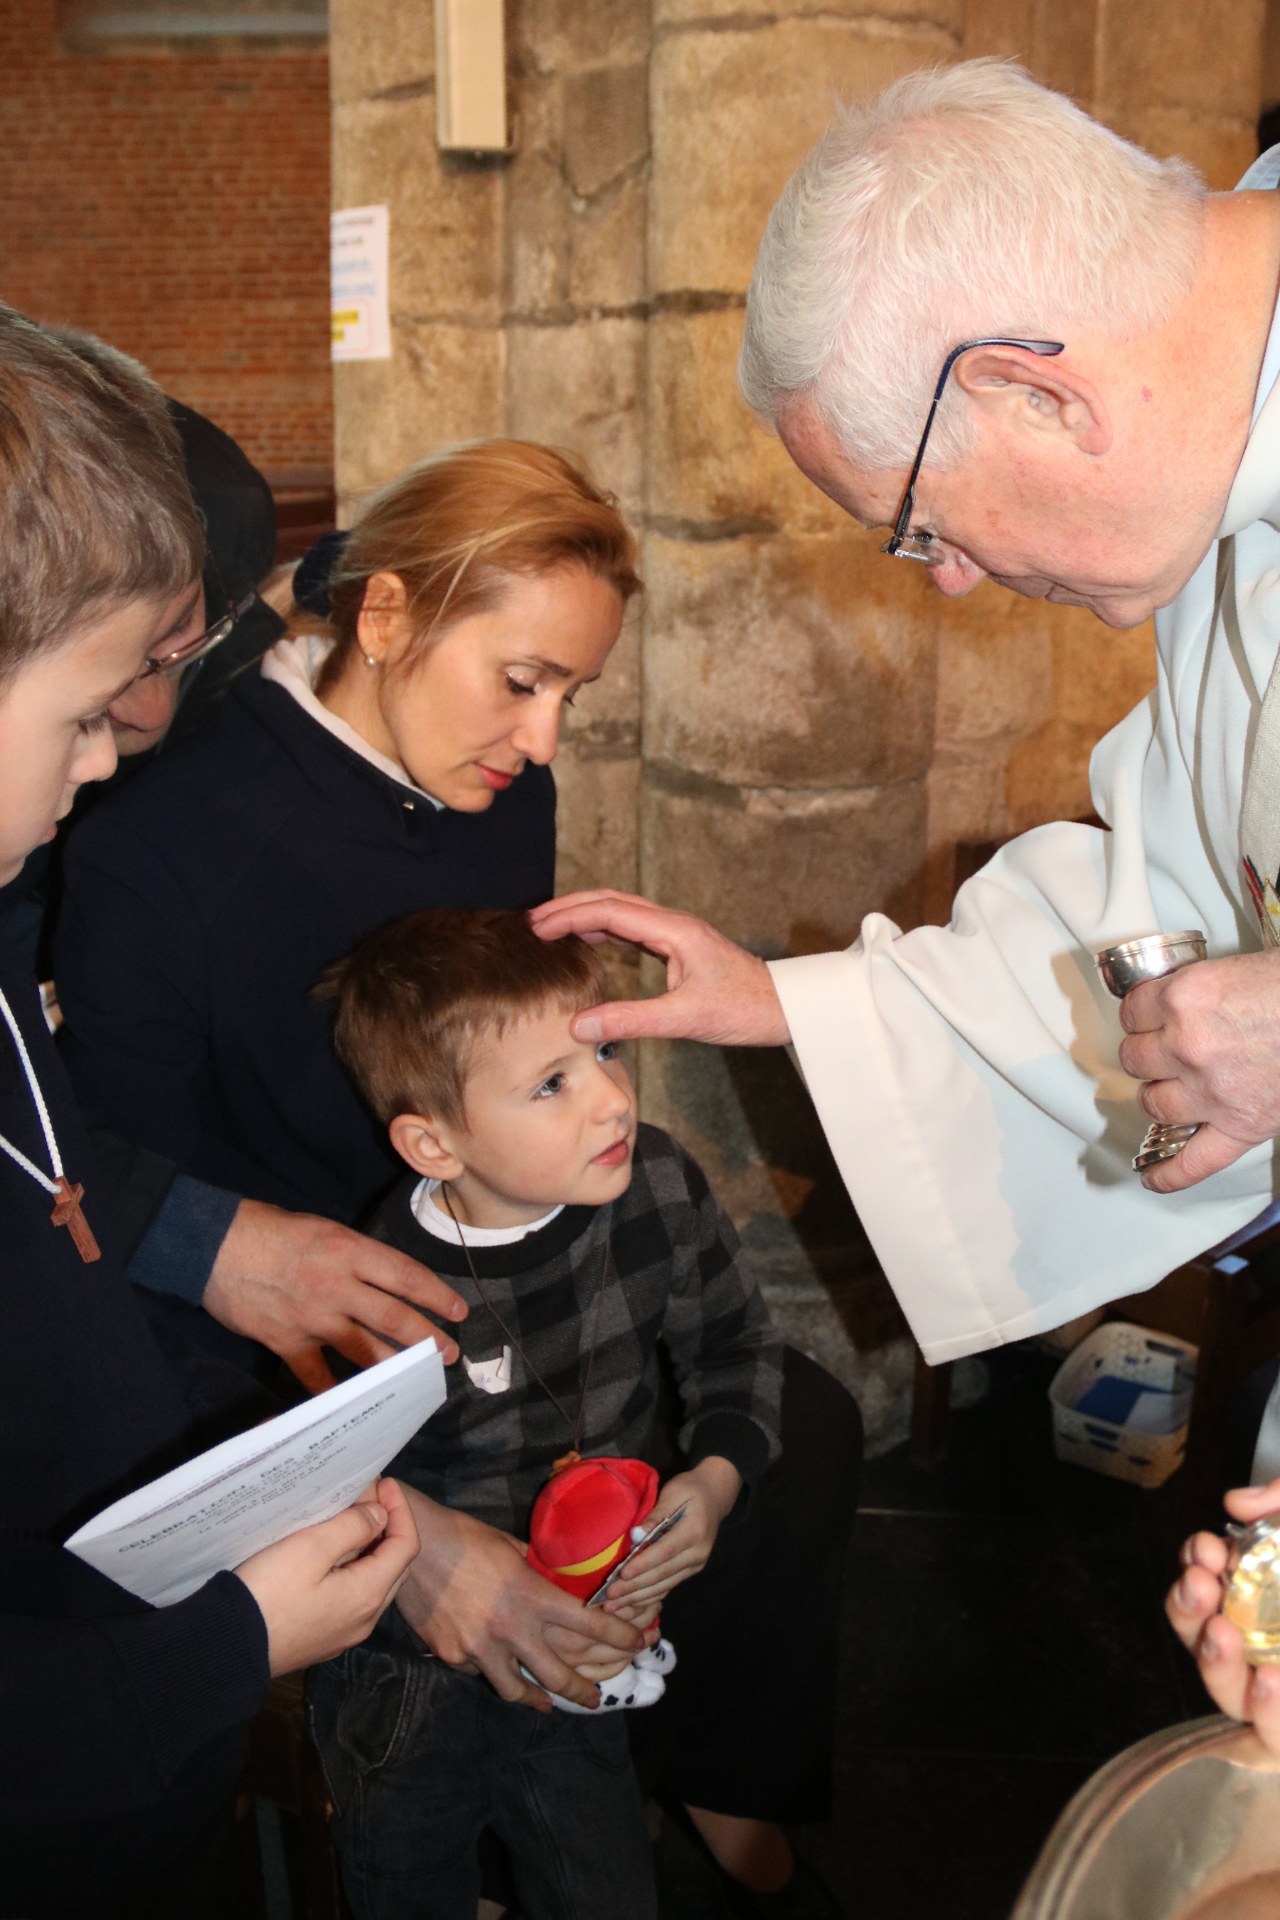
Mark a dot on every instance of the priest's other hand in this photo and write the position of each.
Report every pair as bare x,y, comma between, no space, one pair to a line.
1205,1041
1194,1610
716,991
472,1598
298,1283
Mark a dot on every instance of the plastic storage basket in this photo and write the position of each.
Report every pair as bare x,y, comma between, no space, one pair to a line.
1122,1401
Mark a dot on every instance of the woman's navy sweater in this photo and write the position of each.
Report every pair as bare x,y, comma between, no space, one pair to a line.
120,1725
203,902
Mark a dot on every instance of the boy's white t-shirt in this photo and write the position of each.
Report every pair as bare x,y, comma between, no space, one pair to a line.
445,1227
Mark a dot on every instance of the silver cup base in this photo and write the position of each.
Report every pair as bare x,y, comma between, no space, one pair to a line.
1162,1143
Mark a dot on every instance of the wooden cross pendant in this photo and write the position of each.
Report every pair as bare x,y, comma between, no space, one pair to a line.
66,1213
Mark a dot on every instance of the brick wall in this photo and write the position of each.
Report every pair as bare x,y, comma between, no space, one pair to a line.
176,202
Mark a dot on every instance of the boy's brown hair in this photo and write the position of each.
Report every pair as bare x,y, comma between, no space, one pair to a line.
415,998
95,509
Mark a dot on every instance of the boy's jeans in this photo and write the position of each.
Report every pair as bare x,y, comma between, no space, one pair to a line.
419,1759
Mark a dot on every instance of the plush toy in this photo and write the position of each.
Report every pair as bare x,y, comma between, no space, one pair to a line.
582,1521
582,1526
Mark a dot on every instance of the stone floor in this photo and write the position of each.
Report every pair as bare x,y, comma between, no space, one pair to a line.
1003,1636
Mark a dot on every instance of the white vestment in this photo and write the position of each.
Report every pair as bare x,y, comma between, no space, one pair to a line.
967,1077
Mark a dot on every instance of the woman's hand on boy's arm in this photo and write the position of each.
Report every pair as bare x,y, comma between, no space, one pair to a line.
470,1596
706,1492
298,1283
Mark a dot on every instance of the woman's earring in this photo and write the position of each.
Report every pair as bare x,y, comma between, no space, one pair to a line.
370,661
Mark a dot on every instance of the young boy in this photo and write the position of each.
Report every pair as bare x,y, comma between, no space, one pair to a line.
121,1726
596,1266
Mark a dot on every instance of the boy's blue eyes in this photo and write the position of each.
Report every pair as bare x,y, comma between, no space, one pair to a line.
554,1084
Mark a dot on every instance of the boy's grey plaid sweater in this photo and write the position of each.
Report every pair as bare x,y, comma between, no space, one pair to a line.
675,1304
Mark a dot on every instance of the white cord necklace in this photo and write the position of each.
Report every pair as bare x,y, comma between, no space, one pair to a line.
67,1198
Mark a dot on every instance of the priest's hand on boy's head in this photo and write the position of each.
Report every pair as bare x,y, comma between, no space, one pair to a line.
715,991
706,1493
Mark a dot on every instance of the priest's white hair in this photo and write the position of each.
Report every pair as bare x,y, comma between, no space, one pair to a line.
964,200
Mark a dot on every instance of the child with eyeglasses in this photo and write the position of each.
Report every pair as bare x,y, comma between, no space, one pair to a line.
121,1726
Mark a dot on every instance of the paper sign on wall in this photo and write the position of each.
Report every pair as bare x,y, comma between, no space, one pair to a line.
358,275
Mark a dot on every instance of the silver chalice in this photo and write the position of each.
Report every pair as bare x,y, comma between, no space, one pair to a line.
1126,966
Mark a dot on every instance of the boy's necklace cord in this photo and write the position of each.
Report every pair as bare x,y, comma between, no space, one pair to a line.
573,1422
67,1198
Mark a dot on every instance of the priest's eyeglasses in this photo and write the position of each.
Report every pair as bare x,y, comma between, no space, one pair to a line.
901,544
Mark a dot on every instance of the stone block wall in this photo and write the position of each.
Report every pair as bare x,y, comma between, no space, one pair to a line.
791,733
444,380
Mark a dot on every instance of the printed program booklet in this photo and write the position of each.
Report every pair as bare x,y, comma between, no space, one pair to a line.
168,1538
